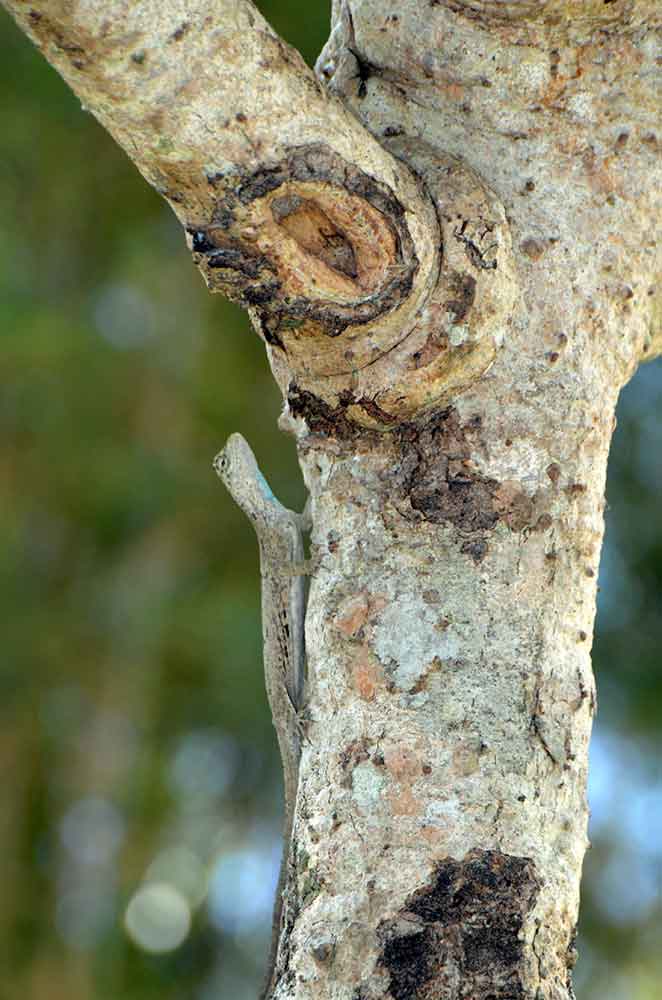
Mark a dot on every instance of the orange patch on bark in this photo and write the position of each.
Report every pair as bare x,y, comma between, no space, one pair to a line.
404,763
352,614
366,674
356,611
455,91
404,803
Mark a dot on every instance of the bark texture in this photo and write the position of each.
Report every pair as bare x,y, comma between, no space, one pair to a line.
447,245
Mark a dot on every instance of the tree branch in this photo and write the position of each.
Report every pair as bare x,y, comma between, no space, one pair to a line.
291,207
190,91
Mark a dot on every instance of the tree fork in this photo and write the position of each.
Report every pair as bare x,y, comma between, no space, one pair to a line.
446,248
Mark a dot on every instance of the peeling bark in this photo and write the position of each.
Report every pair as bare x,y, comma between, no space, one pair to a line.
445,242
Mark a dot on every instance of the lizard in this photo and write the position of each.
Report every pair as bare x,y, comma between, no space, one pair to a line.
283,591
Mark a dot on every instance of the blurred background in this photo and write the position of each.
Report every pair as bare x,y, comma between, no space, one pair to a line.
139,776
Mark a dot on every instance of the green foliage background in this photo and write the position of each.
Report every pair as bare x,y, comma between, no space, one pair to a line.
133,718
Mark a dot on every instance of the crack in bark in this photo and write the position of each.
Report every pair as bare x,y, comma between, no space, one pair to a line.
534,725
472,238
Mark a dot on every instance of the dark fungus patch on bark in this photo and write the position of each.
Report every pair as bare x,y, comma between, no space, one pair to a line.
443,486
320,417
369,406
460,935
230,255
334,421
433,470
462,289
408,959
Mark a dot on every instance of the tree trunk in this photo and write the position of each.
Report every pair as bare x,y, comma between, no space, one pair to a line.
447,248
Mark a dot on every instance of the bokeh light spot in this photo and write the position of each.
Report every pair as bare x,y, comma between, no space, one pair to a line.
204,763
92,831
241,889
182,869
124,316
158,918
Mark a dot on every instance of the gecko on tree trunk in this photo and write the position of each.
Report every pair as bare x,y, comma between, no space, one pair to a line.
280,539
444,241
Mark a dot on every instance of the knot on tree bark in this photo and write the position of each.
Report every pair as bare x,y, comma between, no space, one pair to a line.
367,322
313,245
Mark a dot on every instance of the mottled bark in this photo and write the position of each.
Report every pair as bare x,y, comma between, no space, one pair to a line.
447,246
